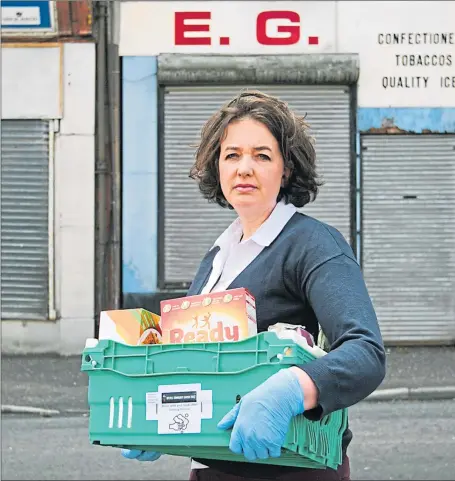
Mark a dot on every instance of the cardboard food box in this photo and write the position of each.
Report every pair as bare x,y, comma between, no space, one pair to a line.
130,326
216,317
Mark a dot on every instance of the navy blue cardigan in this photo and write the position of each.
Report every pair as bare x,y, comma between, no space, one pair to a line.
309,276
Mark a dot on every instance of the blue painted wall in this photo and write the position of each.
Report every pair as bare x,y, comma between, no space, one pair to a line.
140,164
140,174
415,120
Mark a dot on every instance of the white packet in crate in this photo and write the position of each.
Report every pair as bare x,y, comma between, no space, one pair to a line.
299,335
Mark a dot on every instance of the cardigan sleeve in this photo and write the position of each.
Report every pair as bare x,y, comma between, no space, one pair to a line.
355,365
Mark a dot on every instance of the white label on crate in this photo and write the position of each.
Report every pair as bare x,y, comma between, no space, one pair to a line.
179,408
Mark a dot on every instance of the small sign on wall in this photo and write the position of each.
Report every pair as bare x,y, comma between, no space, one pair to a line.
28,17
406,50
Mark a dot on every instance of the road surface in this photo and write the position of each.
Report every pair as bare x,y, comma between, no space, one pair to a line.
398,441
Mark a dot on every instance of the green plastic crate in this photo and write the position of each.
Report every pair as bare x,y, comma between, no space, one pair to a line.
124,380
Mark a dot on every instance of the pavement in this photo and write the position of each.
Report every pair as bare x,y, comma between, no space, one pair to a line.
52,385
394,441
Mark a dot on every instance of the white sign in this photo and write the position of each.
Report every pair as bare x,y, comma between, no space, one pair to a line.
406,49
179,408
152,28
12,16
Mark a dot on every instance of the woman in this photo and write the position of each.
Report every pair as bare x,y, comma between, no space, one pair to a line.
255,156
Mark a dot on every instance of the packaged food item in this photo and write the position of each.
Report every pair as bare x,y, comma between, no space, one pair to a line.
300,330
299,335
216,317
130,326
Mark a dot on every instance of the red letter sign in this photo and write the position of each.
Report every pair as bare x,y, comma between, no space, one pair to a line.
292,30
181,28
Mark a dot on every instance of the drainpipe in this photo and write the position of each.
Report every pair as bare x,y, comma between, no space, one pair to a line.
102,174
113,66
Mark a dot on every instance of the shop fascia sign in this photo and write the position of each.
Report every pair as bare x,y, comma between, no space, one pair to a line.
28,18
153,28
272,28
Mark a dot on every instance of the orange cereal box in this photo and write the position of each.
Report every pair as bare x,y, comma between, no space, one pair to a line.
217,317
130,326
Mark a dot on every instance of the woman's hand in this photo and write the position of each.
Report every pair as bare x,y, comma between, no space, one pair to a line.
261,419
140,455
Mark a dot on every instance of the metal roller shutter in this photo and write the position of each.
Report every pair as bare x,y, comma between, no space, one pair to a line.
191,225
408,213
24,219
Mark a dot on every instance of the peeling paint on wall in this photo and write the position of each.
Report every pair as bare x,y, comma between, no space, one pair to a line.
388,126
406,120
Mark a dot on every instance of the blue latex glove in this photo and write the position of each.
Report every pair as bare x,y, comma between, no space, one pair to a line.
261,419
140,455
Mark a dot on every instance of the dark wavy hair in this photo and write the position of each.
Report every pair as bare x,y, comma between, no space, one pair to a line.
289,129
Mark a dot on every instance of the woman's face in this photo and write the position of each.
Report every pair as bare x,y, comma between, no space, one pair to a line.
251,165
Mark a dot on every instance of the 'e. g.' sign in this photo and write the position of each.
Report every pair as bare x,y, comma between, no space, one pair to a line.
272,27
149,28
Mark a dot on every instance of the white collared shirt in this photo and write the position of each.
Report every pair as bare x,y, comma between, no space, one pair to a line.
235,255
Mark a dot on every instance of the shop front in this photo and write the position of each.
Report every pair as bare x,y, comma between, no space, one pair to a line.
379,103
191,90
47,196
